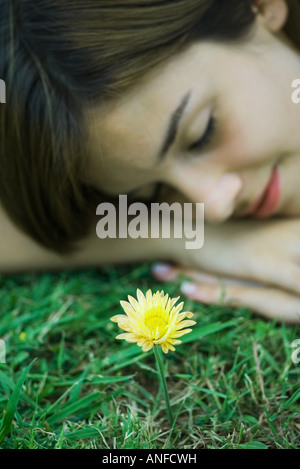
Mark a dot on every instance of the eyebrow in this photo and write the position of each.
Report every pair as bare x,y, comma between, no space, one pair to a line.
173,125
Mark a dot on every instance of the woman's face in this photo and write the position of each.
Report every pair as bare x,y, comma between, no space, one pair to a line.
217,123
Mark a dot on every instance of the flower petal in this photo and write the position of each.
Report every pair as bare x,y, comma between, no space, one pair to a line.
141,298
118,317
153,319
134,303
128,337
183,324
147,346
180,333
128,308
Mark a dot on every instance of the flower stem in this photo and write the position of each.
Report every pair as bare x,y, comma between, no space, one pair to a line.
160,368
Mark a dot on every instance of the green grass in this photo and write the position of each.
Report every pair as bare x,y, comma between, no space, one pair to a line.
68,383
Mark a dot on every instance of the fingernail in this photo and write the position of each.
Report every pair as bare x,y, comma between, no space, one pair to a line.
161,269
188,288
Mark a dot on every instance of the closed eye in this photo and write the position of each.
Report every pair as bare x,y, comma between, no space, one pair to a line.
206,139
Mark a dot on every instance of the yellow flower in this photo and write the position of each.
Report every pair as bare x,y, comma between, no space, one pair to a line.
153,320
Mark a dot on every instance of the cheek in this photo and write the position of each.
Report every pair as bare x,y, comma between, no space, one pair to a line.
254,117
123,178
249,139
123,175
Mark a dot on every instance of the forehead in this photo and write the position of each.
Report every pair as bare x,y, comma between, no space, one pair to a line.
139,119
130,131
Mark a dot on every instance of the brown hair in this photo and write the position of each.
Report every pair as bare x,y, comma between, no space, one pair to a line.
59,57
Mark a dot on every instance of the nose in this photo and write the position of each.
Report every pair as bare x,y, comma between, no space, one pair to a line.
221,201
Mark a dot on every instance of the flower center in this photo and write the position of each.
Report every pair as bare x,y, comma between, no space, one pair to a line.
156,322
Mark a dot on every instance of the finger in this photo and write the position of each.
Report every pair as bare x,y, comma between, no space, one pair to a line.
278,271
268,302
286,276
164,272
168,273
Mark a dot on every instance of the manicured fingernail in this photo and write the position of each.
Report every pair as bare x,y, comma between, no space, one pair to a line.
188,288
161,269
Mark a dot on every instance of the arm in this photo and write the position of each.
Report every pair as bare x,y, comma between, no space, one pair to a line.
19,253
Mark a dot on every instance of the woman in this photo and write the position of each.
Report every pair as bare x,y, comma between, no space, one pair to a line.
122,97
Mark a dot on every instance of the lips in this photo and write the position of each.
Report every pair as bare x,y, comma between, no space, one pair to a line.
267,203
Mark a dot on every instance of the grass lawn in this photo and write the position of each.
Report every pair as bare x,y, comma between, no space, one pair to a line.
232,382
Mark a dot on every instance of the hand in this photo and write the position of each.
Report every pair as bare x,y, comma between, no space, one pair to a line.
265,253
208,289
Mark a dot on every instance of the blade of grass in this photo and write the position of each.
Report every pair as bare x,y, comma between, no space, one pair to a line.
203,331
74,408
12,404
